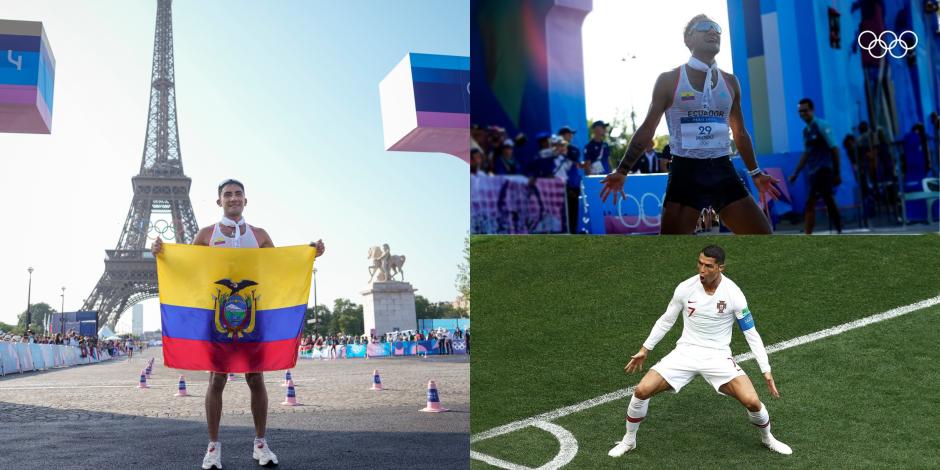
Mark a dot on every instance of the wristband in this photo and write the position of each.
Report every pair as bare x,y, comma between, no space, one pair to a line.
755,171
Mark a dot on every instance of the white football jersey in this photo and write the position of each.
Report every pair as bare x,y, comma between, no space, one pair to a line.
707,321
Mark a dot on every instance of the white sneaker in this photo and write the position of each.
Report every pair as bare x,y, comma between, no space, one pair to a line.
262,453
213,456
773,444
622,447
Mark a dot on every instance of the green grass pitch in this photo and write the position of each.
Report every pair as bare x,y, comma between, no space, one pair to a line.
556,319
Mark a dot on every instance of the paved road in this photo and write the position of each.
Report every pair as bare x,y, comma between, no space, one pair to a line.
93,416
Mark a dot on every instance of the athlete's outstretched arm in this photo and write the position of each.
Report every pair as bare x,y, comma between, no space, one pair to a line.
660,328
754,341
662,99
742,140
665,322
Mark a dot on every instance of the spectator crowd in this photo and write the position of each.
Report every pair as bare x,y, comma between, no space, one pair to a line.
334,342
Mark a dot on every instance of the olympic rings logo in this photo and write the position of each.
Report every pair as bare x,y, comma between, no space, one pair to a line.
887,47
641,216
159,229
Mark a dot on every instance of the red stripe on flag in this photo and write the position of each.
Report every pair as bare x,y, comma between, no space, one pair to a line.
189,354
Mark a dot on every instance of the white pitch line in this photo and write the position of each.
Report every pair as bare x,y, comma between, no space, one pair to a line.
566,453
623,393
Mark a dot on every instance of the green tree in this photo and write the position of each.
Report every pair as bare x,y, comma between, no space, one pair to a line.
346,318
6,327
37,312
463,272
421,307
323,317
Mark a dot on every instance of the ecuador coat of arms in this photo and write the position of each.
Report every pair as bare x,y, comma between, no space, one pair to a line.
235,311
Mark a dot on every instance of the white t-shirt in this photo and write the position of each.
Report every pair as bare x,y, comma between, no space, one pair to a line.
707,320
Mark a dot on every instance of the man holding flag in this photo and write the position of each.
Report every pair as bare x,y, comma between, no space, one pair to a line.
238,333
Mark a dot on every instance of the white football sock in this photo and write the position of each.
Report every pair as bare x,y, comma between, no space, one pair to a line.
761,419
635,414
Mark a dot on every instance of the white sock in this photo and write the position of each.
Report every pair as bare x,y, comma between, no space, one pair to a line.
761,419
635,414
214,444
260,440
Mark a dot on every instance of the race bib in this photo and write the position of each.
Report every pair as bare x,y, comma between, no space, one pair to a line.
597,168
704,132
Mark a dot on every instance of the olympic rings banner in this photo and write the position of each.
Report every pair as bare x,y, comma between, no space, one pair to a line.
397,348
639,213
877,47
510,205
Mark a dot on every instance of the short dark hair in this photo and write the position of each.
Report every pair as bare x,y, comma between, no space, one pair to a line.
808,102
715,252
228,182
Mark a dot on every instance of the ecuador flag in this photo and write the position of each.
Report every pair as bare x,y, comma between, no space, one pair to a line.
233,309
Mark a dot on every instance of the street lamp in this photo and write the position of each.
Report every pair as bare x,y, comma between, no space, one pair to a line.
62,313
29,295
633,61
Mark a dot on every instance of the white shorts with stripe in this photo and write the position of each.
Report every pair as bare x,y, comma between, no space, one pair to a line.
681,365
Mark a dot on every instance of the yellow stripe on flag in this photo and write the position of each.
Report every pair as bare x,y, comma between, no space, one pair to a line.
187,274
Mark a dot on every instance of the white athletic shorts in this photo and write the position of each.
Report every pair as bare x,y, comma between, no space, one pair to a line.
681,365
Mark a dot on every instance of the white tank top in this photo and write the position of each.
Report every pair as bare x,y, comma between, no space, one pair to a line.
247,240
694,130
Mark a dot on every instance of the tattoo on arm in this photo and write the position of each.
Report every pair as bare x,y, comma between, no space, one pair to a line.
631,156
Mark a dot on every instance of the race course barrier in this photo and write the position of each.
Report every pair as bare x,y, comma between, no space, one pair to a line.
395,348
25,357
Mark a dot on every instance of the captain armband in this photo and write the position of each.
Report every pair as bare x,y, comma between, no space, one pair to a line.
746,322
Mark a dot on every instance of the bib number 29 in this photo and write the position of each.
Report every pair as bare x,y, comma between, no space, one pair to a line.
704,130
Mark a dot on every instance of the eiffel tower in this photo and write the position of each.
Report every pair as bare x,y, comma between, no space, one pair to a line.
161,189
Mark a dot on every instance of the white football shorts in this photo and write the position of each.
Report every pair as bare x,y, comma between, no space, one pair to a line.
681,365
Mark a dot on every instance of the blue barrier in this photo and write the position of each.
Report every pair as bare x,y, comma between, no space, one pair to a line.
640,212
396,348
447,323
24,357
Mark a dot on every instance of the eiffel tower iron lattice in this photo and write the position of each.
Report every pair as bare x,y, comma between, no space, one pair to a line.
130,273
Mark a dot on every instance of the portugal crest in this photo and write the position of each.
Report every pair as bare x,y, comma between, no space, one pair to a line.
234,312
721,306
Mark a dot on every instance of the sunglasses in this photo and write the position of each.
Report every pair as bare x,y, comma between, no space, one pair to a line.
705,26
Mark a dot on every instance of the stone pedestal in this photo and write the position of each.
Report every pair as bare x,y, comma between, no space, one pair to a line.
387,306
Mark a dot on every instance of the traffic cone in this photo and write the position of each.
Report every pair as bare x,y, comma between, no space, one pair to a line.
287,378
291,399
434,402
148,371
182,390
376,381
143,380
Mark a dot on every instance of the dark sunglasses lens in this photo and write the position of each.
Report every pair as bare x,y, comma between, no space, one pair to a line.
708,25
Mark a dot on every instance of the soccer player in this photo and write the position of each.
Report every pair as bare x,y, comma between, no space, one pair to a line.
709,303
699,117
233,232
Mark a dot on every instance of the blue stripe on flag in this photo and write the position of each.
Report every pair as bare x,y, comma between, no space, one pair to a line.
199,324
